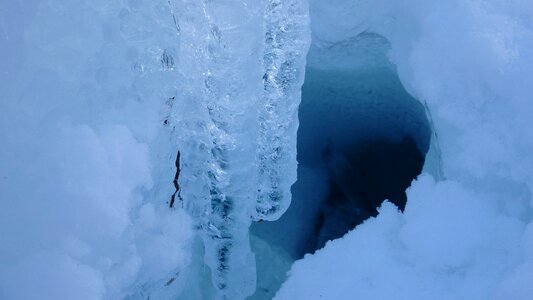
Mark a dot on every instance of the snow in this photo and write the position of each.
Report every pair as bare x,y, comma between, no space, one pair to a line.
241,68
97,100
97,97
464,235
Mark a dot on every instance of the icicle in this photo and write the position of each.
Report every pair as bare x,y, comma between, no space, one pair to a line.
286,43
236,120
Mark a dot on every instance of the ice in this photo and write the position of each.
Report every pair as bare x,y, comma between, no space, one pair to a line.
286,44
464,231
352,100
82,92
236,123
99,99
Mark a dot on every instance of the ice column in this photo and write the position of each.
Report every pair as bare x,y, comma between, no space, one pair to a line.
285,48
241,67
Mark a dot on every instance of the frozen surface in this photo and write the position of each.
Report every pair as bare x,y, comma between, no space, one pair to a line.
97,97
351,97
468,233
96,101
82,91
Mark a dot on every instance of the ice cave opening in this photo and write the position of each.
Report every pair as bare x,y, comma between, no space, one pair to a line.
362,139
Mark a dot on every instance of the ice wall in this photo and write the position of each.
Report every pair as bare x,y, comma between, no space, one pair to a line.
466,234
82,104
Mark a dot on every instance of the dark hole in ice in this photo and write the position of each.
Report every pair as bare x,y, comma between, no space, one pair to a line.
362,139
359,181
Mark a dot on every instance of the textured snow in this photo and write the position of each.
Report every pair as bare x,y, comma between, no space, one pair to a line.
81,213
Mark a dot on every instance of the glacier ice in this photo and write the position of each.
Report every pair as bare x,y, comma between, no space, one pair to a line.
242,66
123,86
97,98
357,125
352,100
81,93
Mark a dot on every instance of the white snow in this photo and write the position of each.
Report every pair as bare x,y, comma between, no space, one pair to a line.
81,212
97,97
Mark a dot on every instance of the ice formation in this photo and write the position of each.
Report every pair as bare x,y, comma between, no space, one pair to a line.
236,123
466,230
98,99
352,102
122,87
82,97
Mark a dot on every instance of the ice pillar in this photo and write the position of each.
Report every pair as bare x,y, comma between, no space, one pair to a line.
241,66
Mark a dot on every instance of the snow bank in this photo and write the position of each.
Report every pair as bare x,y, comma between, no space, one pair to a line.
467,235
443,247
81,94
95,96
241,68
99,97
